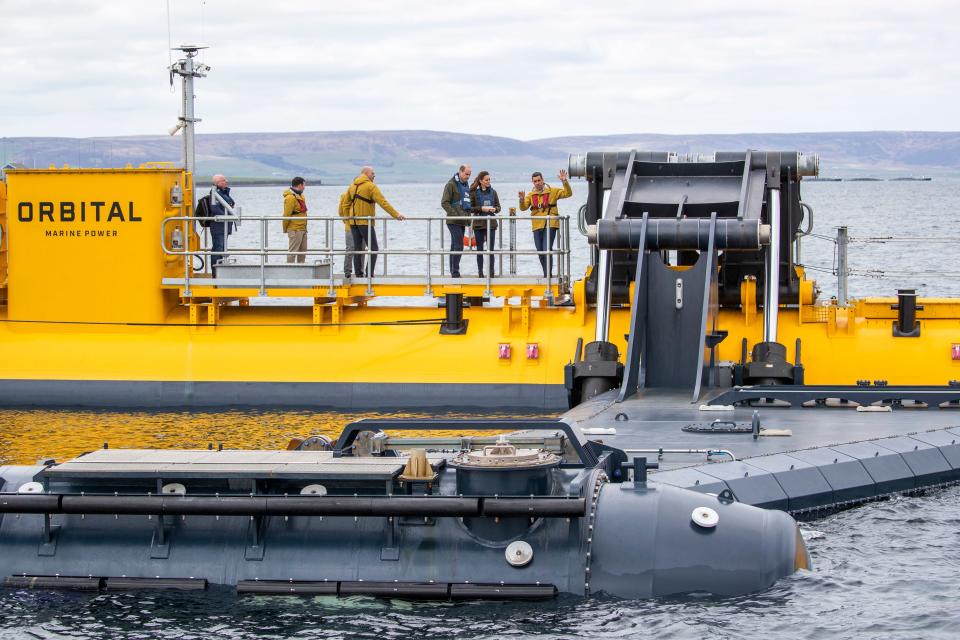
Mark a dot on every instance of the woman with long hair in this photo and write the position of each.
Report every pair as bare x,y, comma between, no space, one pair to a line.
484,202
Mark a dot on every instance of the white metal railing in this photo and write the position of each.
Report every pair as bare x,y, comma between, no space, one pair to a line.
558,259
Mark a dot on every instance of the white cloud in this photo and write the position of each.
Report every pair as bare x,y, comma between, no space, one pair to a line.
524,70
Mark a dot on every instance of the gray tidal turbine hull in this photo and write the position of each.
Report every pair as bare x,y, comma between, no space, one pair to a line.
645,544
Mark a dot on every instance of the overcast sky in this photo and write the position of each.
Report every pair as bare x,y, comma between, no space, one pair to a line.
514,68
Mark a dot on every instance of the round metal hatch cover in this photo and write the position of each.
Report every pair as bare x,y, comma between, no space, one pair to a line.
519,553
705,517
314,490
504,455
174,489
30,487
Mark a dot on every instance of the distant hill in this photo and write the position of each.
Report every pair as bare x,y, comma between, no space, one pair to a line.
334,157
845,153
420,156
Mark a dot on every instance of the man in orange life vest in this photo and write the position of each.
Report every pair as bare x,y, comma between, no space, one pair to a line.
295,219
542,201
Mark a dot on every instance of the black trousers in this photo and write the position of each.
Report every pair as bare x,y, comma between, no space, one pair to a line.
456,244
360,235
481,235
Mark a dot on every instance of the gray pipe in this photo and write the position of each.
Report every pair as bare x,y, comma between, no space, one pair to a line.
842,293
771,295
602,329
366,506
189,146
671,234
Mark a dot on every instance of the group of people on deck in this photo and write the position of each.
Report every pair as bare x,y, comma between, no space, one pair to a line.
472,205
462,199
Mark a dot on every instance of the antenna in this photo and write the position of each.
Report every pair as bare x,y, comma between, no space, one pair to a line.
188,69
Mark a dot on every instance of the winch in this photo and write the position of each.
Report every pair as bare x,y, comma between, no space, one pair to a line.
502,469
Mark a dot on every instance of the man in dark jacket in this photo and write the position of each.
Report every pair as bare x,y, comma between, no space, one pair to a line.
219,230
456,203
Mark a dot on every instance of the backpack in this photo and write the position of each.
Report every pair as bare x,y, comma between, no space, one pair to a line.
204,211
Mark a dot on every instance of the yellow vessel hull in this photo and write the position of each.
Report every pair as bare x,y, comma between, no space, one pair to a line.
276,356
92,312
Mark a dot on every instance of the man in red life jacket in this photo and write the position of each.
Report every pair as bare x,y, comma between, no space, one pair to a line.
542,201
295,219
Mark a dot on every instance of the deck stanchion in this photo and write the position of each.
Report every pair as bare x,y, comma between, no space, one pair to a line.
207,267
549,291
386,241
186,263
500,252
443,265
429,289
263,256
369,257
488,251
329,225
569,268
842,242
513,241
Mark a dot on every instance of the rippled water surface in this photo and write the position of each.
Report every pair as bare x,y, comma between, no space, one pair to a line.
31,435
885,570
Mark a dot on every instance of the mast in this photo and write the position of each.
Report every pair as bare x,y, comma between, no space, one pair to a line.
188,69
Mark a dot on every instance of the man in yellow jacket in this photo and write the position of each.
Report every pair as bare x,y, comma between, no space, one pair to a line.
295,219
360,206
542,201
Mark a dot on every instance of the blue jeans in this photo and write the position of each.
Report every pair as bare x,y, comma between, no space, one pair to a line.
456,244
481,235
541,239
218,240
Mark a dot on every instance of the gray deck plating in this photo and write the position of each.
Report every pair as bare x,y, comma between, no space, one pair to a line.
834,457
106,464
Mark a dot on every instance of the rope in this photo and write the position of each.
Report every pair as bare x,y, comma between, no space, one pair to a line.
880,273
883,273
886,239
383,323
811,267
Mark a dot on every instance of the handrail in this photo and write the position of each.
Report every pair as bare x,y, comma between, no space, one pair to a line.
351,431
558,258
